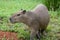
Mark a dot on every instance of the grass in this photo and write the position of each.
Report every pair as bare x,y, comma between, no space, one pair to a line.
9,7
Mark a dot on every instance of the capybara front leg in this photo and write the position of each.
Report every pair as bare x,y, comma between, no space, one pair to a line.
33,34
38,35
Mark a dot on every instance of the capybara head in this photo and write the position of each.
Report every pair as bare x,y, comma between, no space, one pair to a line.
18,17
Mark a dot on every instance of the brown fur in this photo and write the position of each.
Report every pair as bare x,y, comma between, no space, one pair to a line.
37,19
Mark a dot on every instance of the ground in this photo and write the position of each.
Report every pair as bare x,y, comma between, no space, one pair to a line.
9,7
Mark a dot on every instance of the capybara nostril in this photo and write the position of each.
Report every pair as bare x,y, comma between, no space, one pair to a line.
10,19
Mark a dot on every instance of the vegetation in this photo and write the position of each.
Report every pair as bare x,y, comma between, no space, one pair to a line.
52,4
9,7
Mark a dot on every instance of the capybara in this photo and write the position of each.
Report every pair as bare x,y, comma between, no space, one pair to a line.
36,19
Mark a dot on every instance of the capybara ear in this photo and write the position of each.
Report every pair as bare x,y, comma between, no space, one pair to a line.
21,9
24,11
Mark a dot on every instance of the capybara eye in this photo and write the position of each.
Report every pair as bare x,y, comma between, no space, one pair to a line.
18,14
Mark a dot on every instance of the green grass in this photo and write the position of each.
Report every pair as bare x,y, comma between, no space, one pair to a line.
9,7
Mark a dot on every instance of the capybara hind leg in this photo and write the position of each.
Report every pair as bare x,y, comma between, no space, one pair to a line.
43,32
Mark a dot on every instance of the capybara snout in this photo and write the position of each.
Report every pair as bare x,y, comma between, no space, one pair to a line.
12,20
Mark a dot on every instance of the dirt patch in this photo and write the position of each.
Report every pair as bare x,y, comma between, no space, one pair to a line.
8,35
